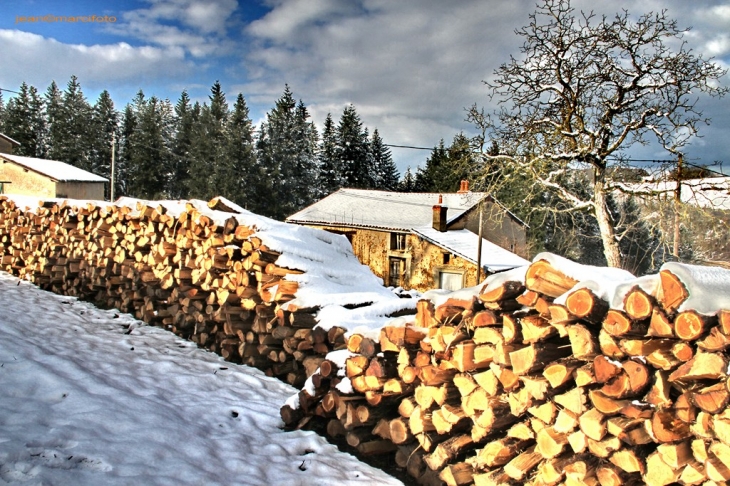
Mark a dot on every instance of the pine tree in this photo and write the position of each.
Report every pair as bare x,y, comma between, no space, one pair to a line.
461,162
305,172
150,156
25,122
105,120
353,150
408,183
39,127
74,143
185,120
287,156
239,177
330,177
127,149
428,178
386,176
207,164
54,118
446,167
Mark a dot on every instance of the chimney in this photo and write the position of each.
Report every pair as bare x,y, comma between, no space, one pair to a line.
464,188
439,216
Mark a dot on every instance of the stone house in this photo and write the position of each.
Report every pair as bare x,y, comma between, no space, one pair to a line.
422,241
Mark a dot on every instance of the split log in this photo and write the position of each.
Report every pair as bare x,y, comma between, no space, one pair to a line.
674,292
543,278
504,291
690,325
536,356
583,303
638,305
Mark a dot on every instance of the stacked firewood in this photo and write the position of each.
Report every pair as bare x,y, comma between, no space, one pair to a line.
539,379
172,265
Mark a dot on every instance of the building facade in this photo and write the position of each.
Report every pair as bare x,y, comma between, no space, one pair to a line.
422,241
30,176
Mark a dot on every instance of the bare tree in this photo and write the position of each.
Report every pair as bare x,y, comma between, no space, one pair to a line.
585,89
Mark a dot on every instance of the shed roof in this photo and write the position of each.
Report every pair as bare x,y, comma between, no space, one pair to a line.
383,209
465,244
59,171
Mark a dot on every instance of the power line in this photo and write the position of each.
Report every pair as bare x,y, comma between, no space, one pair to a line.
408,147
9,90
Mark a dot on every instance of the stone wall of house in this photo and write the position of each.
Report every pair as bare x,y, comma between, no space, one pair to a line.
428,261
419,262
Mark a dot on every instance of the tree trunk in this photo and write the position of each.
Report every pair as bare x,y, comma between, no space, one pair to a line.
605,224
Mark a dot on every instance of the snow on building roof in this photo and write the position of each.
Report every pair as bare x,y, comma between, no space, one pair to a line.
54,169
709,192
382,209
465,243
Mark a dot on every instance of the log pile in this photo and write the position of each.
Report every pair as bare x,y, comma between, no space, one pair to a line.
192,268
536,380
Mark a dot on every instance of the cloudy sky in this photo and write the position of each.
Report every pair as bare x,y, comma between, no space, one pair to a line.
410,67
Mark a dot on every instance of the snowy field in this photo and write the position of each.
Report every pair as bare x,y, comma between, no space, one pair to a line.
92,397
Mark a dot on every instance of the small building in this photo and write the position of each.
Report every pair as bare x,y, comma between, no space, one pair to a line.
7,144
30,176
422,241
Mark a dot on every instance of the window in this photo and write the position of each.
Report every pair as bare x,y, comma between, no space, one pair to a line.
451,280
398,241
447,258
396,272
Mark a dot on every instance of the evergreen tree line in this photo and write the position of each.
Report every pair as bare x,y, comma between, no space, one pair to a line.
194,150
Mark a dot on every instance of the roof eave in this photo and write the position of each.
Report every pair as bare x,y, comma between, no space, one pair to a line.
54,179
348,225
11,140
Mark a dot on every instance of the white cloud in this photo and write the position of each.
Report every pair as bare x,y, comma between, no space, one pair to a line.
205,16
40,59
289,18
198,26
410,68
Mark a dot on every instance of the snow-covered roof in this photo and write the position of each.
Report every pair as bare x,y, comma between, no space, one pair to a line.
54,169
709,192
382,209
465,243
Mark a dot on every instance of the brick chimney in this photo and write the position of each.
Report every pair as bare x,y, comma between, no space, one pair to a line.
464,188
439,215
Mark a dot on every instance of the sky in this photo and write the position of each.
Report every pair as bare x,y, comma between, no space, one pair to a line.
91,397
411,68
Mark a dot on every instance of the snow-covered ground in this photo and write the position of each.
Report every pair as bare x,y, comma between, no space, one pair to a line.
92,397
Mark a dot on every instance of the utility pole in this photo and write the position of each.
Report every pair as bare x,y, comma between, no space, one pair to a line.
111,189
677,206
479,243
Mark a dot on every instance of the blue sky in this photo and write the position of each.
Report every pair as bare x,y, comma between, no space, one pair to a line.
410,67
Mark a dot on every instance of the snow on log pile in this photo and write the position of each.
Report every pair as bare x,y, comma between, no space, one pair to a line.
554,373
248,287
